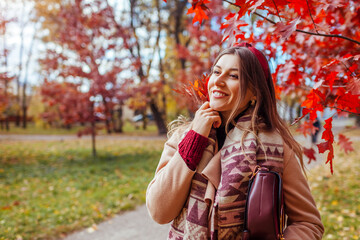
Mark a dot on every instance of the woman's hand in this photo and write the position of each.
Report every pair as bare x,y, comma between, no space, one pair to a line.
205,119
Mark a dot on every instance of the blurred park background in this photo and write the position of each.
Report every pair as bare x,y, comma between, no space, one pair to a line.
87,89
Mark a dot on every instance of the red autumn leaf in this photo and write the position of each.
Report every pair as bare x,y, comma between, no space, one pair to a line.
347,101
198,8
330,79
285,30
196,91
244,7
255,4
232,29
309,153
347,56
354,86
327,134
200,88
345,143
328,144
324,146
314,100
307,128
298,6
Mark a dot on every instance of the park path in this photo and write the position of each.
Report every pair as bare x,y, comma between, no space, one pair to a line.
131,225
23,137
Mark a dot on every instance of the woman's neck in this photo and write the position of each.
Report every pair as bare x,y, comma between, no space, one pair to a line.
226,115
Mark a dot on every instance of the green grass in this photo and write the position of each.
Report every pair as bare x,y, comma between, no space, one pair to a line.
129,129
52,188
337,195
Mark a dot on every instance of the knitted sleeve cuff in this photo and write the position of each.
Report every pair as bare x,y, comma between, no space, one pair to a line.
192,147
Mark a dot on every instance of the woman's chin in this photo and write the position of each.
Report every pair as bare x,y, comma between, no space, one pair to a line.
212,106
215,107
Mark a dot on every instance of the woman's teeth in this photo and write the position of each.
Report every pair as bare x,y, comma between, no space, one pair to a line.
218,94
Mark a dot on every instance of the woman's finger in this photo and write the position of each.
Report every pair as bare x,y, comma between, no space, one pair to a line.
216,121
204,106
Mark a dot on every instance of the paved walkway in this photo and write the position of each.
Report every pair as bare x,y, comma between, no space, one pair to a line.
132,225
23,137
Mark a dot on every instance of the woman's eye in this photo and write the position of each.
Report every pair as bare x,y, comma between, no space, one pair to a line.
234,76
216,72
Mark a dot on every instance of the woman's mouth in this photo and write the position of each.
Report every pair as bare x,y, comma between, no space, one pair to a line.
218,94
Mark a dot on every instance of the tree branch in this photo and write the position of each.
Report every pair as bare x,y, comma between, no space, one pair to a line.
277,10
343,110
328,35
312,19
302,31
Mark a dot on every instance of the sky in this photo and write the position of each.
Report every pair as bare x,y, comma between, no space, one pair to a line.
14,9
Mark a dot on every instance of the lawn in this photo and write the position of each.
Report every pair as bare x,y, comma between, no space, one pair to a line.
51,188
337,195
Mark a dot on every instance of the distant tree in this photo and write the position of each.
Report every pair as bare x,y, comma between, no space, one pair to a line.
6,75
83,55
144,23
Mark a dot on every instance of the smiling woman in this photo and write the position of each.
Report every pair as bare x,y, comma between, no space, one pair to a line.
224,87
202,178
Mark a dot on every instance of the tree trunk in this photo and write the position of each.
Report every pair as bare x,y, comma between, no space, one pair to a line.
7,124
24,115
25,100
93,133
145,120
112,120
18,100
17,118
107,122
160,123
120,118
291,109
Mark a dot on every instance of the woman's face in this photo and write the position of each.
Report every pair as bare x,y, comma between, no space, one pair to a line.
224,86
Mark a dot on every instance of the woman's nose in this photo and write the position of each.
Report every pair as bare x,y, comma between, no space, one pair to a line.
219,80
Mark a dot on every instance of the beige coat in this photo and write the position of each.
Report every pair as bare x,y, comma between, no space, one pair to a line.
168,191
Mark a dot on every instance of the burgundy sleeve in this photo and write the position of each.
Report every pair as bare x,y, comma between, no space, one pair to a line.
192,147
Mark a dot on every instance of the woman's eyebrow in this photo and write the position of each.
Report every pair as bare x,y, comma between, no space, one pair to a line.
231,69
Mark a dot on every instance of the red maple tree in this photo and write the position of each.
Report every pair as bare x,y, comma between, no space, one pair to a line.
320,41
81,66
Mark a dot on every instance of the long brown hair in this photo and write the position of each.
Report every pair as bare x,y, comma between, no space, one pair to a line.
251,75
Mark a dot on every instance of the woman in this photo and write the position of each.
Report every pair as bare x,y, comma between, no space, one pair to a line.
201,181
